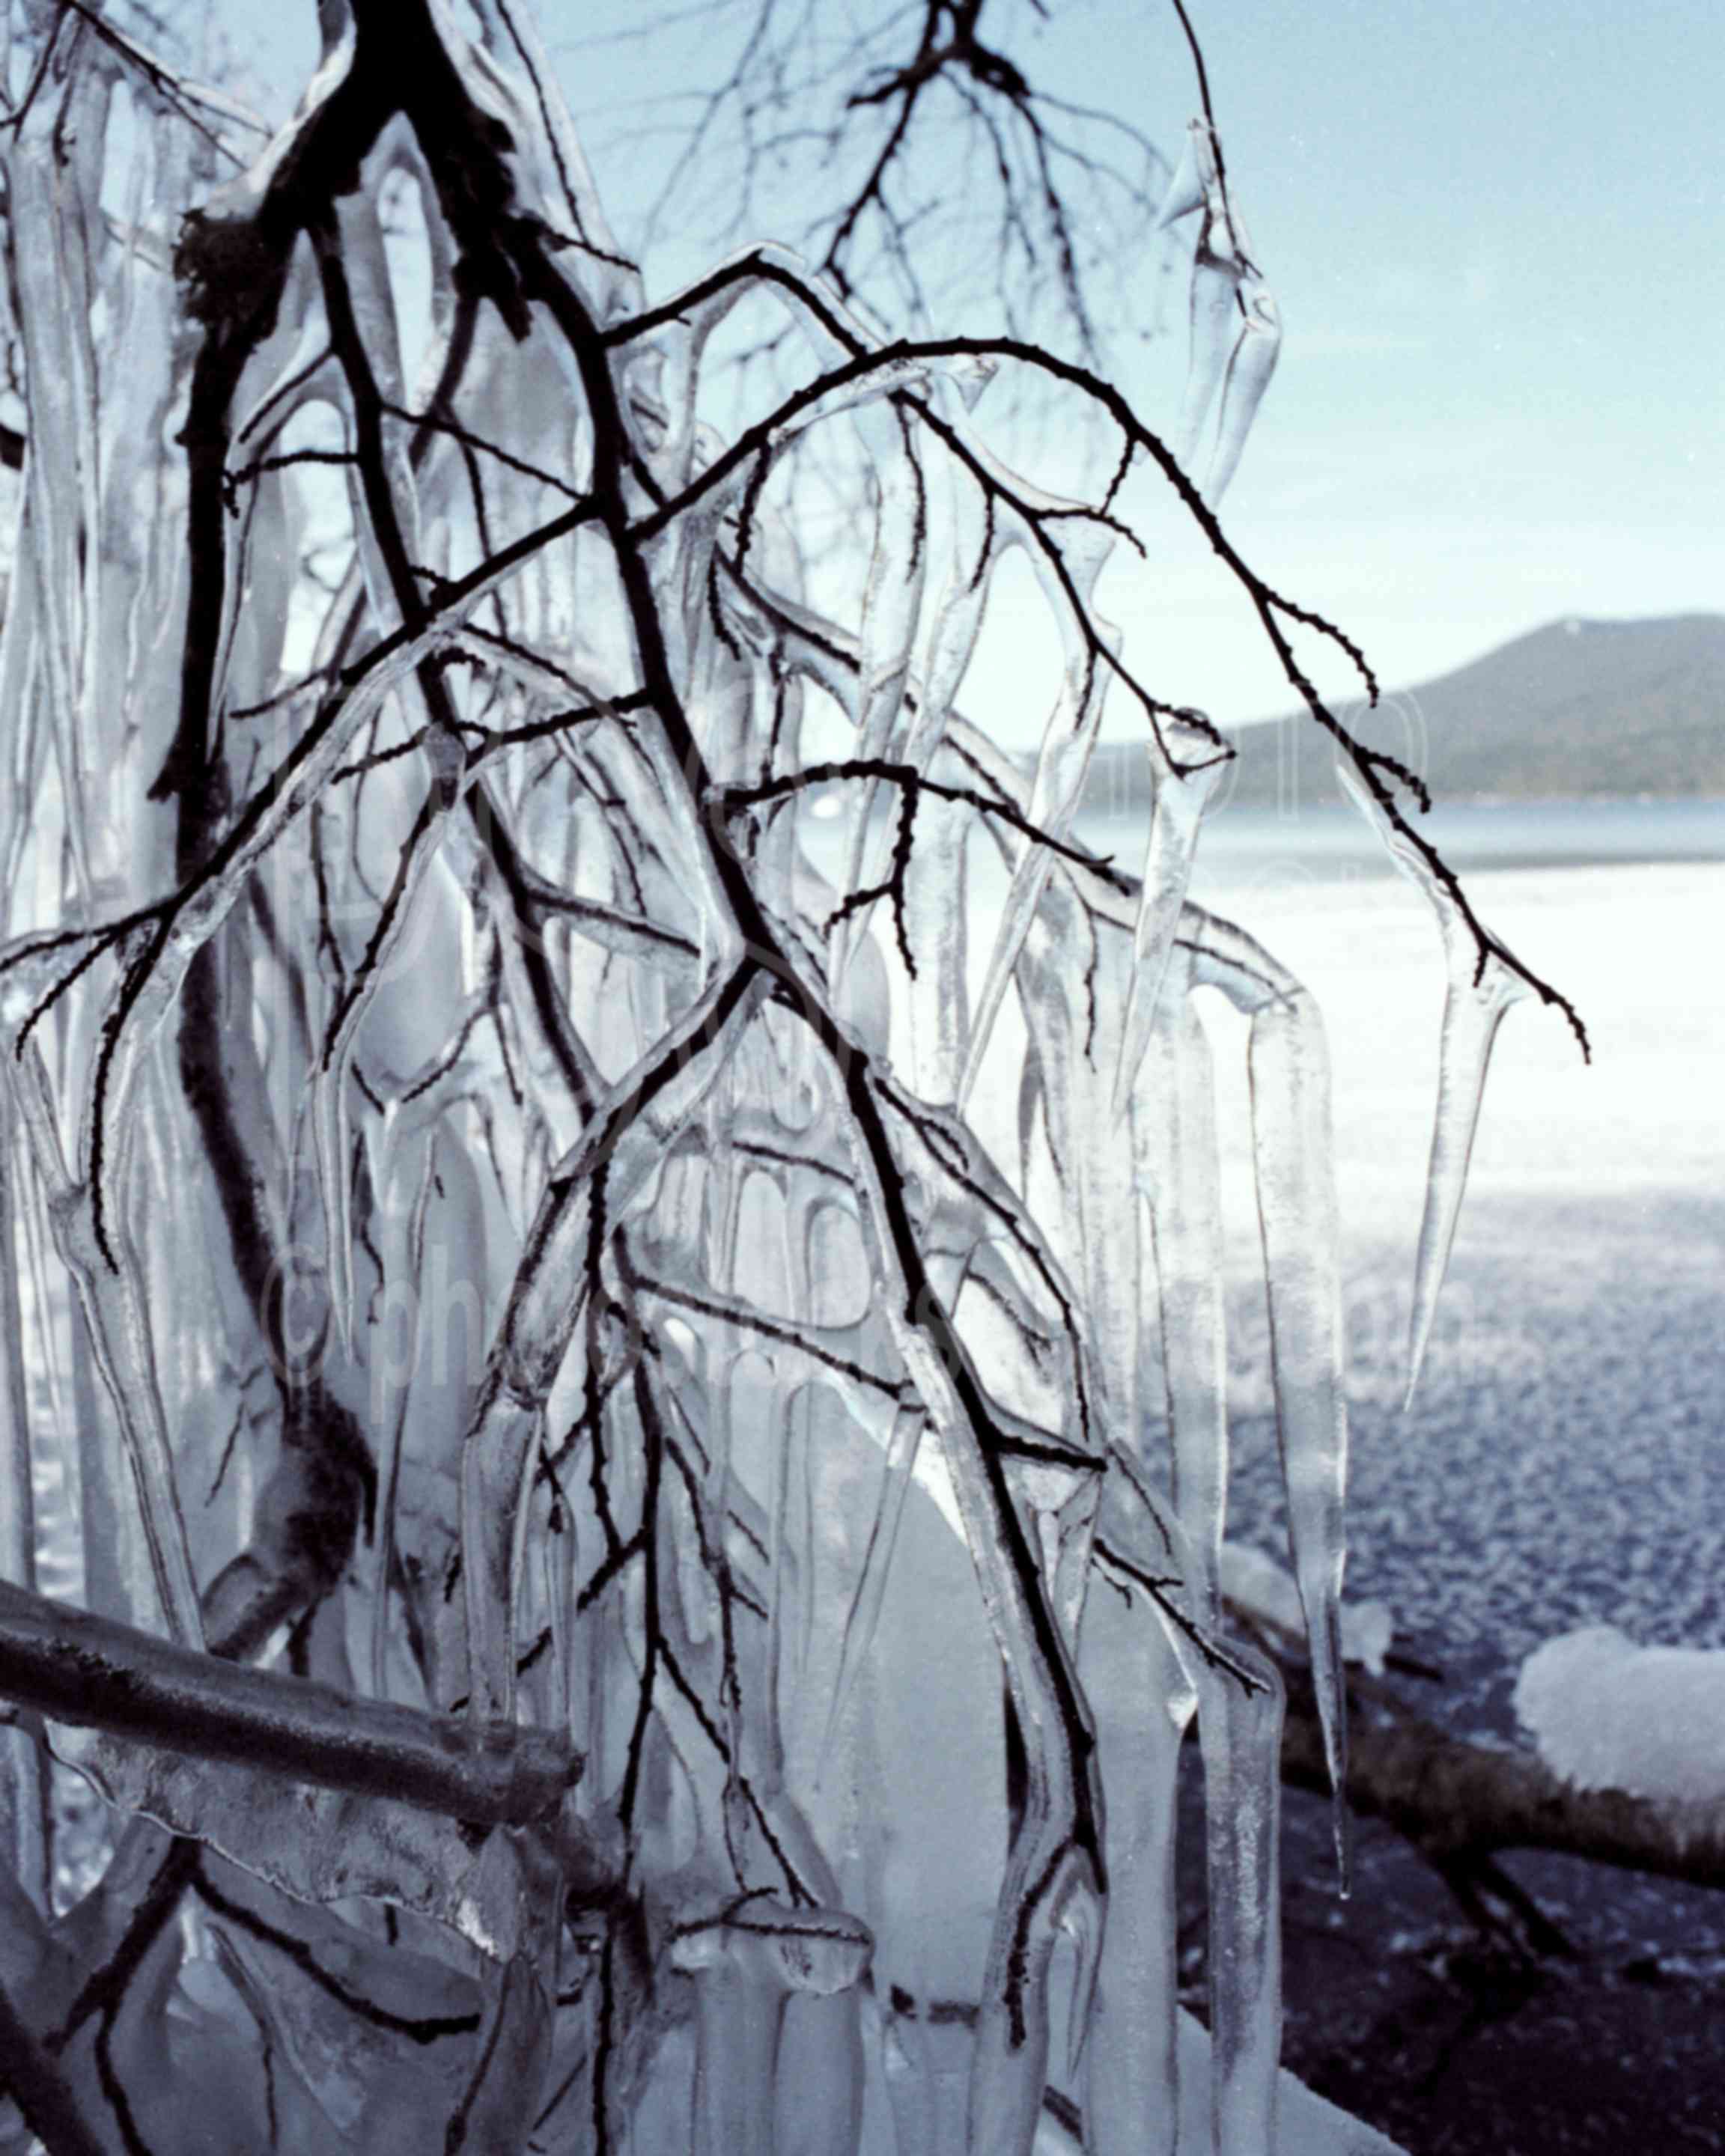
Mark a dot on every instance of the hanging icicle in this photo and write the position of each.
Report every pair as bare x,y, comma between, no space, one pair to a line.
516,913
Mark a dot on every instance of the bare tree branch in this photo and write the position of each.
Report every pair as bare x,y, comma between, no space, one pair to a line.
66,1664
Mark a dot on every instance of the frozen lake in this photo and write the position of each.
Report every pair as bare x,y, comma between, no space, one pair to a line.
1619,904
1335,841
1560,1465
1634,945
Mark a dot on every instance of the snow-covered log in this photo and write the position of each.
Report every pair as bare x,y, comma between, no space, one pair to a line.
1461,1802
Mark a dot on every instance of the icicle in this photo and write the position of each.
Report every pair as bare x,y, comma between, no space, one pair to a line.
1011,2068
1048,1871
32,1200
1475,997
329,1092
1143,1703
863,1614
808,1420
1194,177
1235,325
1067,742
937,925
1257,349
112,1298
1068,1574
1288,1060
389,1467
1290,1072
24,1849
971,544
1095,1153
19,660
1212,316
1142,1549
1240,1719
53,182
747,1965
775,1447
820,2048
1471,1017
1197,185
1177,803
1029,1110
1055,1002
1174,1129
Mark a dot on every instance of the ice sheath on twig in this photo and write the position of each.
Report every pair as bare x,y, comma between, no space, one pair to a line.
414,702
1479,989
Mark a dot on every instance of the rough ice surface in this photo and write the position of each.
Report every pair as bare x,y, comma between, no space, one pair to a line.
1607,1714
507,1209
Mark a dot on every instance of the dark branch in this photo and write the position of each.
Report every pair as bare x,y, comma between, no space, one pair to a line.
88,1671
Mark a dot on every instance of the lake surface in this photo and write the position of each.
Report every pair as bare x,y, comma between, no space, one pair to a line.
1607,900
1334,843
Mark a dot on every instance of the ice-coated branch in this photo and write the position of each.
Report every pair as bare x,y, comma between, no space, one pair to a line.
1057,1850
583,1202
1272,607
76,1667
1478,991
1055,194
908,779
499,934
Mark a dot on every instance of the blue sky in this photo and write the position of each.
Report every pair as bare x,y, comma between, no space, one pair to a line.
1495,233
1495,230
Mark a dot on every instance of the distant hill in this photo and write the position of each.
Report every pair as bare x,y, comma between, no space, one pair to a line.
1580,708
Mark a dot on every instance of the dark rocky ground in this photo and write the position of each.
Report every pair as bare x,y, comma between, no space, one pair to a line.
1562,1466
1396,2010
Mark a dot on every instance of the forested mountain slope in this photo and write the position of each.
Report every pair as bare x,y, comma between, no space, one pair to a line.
1577,708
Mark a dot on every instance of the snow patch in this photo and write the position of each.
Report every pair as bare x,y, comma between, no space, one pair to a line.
1606,1714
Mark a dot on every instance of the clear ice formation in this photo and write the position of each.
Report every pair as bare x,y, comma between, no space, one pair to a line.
499,1200
1478,990
1235,324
